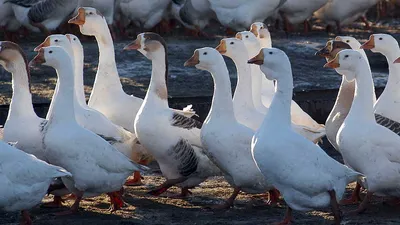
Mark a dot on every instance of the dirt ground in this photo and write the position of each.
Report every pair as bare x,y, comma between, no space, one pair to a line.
141,209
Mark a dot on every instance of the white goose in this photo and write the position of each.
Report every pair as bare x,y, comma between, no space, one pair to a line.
260,30
24,180
42,15
226,140
339,13
240,14
97,167
298,11
360,136
145,14
22,125
285,158
173,139
387,106
107,95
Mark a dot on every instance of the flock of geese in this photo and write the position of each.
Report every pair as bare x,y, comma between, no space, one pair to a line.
47,15
260,141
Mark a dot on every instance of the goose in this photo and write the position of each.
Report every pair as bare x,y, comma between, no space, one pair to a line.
24,180
225,139
387,106
175,141
8,23
145,14
42,15
107,95
22,125
298,11
260,30
195,15
123,140
299,117
97,167
285,158
381,168
240,14
340,13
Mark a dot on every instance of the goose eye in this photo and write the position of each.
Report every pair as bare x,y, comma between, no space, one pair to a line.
346,56
56,40
74,39
50,52
247,36
90,13
271,53
232,43
348,41
380,38
205,53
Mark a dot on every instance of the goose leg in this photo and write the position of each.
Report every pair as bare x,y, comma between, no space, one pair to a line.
288,217
287,25
136,181
273,197
116,201
365,20
26,219
355,196
41,27
56,203
229,202
164,187
74,208
338,27
335,207
363,206
184,193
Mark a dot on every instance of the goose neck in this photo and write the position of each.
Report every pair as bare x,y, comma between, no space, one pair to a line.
63,101
21,102
157,92
363,103
243,96
79,86
222,105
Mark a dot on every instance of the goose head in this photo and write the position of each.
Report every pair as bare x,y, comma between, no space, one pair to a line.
149,44
273,63
57,40
205,59
331,48
53,56
250,41
89,20
348,60
10,53
352,42
75,42
381,43
231,47
260,30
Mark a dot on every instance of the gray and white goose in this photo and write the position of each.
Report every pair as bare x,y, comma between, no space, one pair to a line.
42,15
173,139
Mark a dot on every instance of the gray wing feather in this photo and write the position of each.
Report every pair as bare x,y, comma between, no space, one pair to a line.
388,123
42,10
179,120
184,153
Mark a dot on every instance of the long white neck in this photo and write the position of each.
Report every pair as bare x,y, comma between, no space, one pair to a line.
256,77
279,111
157,93
79,86
63,101
344,99
394,71
363,103
243,96
222,105
107,77
21,103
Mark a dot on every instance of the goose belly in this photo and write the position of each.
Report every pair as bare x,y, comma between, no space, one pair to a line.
300,201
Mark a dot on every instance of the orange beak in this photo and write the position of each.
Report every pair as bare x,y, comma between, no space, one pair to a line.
324,52
238,36
194,60
258,59
39,58
370,44
80,18
338,38
254,30
134,45
46,43
69,37
333,63
397,60
221,48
